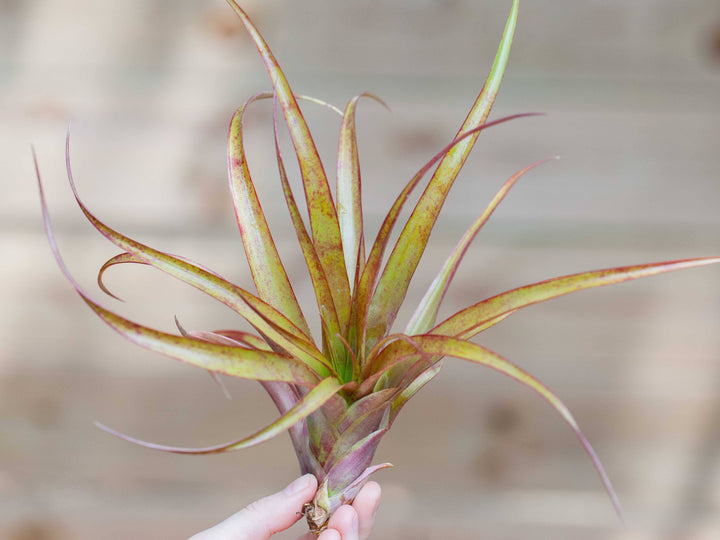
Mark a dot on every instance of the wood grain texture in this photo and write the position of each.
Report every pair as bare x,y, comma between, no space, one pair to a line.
631,92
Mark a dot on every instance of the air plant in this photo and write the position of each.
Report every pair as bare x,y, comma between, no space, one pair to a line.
337,396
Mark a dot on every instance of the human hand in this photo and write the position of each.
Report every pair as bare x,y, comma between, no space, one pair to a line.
274,513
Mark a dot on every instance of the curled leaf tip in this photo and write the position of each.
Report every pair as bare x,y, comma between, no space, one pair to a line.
180,328
118,259
378,99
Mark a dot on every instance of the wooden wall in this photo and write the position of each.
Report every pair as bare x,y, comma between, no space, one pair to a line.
632,96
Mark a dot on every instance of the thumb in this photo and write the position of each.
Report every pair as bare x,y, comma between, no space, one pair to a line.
263,518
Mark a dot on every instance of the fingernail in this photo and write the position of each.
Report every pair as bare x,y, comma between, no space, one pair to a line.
298,485
355,524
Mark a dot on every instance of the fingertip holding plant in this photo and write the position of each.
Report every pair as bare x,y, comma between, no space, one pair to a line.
339,394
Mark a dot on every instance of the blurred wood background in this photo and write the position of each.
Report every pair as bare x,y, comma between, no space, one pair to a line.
632,96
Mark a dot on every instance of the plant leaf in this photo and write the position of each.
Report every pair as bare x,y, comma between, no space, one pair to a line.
413,388
355,459
371,415
242,339
321,208
323,294
215,376
314,399
439,346
266,267
234,361
405,256
364,406
424,316
349,196
331,502
261,315
285,396
230,360
475,318
370,273
124,258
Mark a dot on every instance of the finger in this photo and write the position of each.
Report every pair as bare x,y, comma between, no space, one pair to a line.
327,534
263,518
345,521
366,504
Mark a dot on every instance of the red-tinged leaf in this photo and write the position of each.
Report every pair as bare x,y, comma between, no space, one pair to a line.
379,379
243,339
323,294
329,502
439,346
215,376
365,287
234,361
314,399
473,319
266,267
285,396
365,405
269,322
424,316
121,258
370,417
125,258
389,355
261,315
349,193
405,256
355,460
321,208
413,388
360,481
386,352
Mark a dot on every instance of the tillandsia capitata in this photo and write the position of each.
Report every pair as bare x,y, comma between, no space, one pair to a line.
339,394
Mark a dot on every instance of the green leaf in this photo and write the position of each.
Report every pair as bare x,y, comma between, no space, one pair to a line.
473,319
215,376
349,196
285,396
405,256
321,208
370,273
266,267
413,388
439,346
365,406
125,258
393,362
323,294
241,338
241,362
424,316
261,315
320,393
235,361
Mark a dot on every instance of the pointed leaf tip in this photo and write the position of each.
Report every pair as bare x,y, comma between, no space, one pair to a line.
324,224
408,250
425,314
312,401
